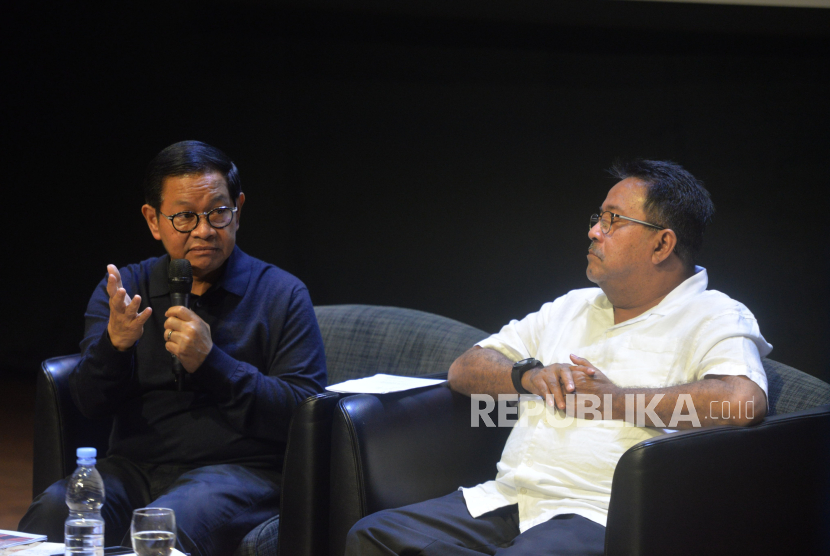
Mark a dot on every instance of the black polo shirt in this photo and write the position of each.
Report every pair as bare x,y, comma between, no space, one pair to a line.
267,357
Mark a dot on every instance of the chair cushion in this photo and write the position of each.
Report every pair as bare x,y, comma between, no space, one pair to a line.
261,540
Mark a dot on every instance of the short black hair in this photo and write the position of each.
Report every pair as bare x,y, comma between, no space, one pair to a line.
675,199
185,158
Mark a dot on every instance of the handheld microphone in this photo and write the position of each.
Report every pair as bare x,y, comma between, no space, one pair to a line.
180,280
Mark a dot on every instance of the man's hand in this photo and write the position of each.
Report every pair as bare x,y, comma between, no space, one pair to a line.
126,324
560,379
588,380
554,381
187,337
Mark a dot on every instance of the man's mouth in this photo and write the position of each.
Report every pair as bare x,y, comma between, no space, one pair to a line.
594,252
202,249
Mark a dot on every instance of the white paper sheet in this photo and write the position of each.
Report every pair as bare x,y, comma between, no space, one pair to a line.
35,549
382,384
47,549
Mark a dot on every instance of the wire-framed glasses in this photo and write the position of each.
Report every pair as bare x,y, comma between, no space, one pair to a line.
606,220
185,222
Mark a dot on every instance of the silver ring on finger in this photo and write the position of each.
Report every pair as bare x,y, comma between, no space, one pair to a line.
169,333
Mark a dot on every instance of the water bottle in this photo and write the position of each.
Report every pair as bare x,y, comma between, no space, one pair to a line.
84,528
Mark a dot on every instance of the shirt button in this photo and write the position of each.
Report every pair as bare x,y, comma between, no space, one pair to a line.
529,463
523,490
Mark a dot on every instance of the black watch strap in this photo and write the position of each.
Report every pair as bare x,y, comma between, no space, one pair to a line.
519,369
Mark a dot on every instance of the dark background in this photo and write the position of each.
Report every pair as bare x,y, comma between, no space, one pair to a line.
443,156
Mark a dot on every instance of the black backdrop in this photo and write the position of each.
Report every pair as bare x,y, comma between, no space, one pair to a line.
440,157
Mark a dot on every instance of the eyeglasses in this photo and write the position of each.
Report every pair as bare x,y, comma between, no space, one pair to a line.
606,220
185,222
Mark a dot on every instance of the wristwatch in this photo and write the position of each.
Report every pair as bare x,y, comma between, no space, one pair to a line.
520,368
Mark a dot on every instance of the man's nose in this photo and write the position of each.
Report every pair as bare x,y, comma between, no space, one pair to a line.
203,228
594,232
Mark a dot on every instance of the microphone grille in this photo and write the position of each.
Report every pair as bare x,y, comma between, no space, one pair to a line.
179,275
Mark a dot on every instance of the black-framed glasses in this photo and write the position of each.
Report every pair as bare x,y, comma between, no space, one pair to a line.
185,222
606,220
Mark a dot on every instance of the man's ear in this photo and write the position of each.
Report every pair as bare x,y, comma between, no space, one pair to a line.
151,216
239,202
665,243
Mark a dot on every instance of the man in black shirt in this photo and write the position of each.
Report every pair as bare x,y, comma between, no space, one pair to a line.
250,346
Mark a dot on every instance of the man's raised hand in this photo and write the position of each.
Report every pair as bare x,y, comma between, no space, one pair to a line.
126,324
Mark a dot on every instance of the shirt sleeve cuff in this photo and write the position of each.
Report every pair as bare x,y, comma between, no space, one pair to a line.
494,342
110,357
755,375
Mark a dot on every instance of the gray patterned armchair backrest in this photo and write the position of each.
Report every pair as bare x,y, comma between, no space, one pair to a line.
362,340
792,390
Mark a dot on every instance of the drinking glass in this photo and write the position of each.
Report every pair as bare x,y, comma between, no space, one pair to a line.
153,531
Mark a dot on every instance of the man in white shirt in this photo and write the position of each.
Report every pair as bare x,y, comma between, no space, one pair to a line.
598,370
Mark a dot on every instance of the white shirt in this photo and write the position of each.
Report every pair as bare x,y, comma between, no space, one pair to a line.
553,464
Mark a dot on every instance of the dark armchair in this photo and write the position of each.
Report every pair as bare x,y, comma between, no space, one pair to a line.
360,340
725,490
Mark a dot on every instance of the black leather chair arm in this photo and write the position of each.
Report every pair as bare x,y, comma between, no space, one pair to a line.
59,426
726,490
397,449
305,485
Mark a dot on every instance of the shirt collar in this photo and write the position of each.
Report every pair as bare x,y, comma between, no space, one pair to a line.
234,279
690,287
237,273
695,284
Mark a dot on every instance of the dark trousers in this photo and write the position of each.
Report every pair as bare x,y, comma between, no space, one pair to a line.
444,527
215,505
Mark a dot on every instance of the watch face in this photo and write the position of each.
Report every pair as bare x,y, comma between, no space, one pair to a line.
528,364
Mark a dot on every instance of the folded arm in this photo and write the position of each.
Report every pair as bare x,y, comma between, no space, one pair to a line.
582,390
713,400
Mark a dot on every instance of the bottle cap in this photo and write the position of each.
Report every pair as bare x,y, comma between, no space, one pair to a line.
86,453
